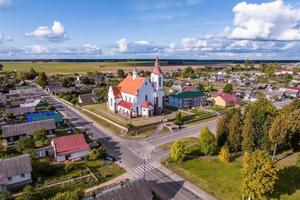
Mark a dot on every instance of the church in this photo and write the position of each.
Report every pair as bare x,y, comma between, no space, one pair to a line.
137,96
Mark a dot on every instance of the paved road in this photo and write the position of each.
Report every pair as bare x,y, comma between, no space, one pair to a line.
133,156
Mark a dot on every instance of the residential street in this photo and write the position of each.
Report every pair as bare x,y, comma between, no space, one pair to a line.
135,156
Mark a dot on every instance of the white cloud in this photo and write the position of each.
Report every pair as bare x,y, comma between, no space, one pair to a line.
4,38
55,33
122,45
89,48
267,21
37,49
4,3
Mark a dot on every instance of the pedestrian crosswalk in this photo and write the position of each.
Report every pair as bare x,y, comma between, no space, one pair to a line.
139,170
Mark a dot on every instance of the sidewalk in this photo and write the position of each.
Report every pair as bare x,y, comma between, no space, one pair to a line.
197,191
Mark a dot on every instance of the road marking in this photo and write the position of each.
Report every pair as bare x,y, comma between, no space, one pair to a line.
139,170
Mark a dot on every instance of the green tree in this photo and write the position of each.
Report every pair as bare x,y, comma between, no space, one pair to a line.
120,73
263,113
278,132
4,195
248,132
69,195
177,151
39,137
222,131
228,88
1,67
207,142
178,119
42,79
97,153
188,72
26,145
294,129
259,175
224,155
32,74
234,138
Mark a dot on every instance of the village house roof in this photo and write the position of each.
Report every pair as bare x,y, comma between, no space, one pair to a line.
136,189
146,104
188,94
125,104
20,110
130,85
70,144
87,98
293,88
40,116
117,92
27,128
14,166
225,97
190,88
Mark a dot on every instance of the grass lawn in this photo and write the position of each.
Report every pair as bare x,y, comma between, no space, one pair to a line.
201,114
101,109
190,141
224,180
69,67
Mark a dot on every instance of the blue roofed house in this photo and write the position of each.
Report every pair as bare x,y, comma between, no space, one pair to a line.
187,99
40,116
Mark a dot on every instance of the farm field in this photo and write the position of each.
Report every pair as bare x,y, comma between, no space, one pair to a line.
69,67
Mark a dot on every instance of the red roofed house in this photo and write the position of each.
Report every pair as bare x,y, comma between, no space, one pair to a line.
71,147
225,100
138,96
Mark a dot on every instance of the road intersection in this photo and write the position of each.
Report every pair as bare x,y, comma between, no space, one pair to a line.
136,156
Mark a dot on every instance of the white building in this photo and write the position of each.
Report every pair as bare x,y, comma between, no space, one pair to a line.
138,96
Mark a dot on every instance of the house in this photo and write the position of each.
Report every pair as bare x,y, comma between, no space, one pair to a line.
20,110
71,147
33,103
225,100
40,116
275,95
284,71
86,99
134,91
291,91
15,171
135,189
56,88
187,99
12,133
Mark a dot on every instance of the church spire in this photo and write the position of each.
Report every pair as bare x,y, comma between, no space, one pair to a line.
156,69
134,73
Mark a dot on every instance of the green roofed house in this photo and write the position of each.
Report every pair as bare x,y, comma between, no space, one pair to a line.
187,99
40,116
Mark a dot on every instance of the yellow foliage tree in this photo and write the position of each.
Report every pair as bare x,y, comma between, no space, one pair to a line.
224,155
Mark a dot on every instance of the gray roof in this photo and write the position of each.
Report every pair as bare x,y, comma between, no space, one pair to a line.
86,98
20,110
14,166
27,128
133,190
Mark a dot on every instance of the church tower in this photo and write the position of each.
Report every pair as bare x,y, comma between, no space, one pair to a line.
157,80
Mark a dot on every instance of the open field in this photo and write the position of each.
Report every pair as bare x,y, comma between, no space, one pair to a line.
83,67
224,180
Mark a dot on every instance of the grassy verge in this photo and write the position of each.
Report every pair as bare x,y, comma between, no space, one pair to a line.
224,180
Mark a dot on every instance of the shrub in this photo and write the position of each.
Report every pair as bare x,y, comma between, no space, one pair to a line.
177,151
69,166
224,155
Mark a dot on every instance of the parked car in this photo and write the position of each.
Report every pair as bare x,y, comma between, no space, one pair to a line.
109,158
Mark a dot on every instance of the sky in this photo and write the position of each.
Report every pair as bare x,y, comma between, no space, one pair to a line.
178,29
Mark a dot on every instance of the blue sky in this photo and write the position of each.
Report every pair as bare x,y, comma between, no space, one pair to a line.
198,29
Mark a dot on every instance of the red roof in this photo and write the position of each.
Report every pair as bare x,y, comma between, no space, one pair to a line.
146,104
125,104
189,88
70,144
116,92
157,69
293,88
130,85
226,97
